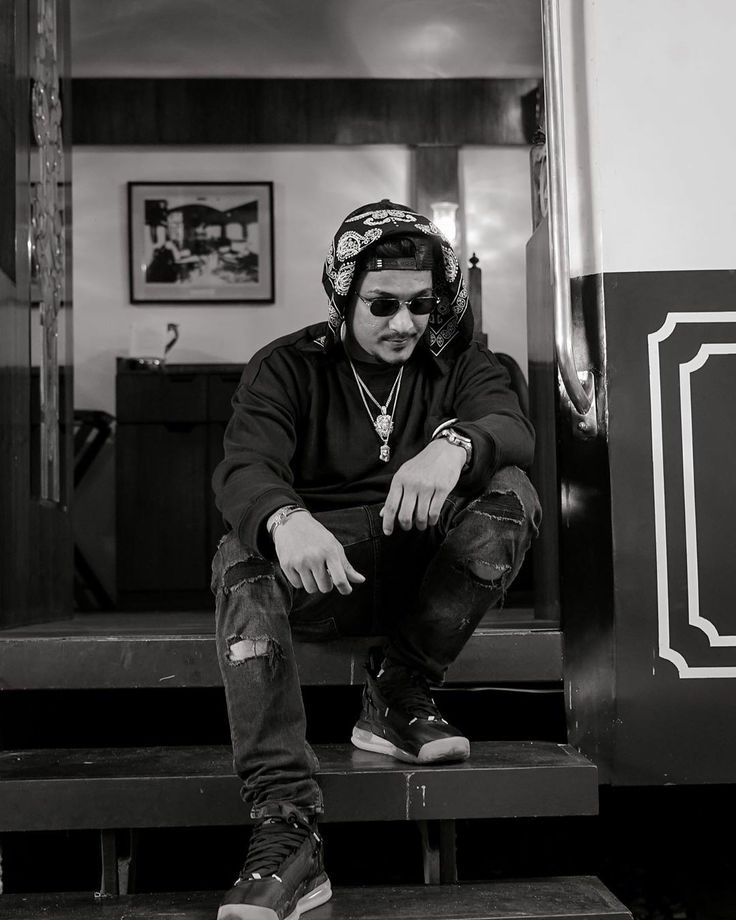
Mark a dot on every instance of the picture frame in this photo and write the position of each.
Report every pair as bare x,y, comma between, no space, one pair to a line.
201,242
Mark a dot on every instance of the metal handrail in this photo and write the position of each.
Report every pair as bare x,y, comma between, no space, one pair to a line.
557,189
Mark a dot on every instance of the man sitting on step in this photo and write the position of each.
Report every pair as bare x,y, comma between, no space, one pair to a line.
371,485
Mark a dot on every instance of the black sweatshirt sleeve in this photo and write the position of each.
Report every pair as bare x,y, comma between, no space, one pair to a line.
488,412
255,478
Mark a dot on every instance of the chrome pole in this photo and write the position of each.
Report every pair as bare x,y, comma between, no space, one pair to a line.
559,246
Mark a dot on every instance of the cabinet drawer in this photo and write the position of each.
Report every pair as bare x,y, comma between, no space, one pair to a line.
222,386
157,396
163,508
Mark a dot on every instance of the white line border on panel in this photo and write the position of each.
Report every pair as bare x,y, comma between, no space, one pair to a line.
654,339
688,483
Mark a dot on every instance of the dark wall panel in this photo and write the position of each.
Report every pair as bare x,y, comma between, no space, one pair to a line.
648,532
230,111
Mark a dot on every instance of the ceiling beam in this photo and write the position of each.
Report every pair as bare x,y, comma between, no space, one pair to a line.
294,111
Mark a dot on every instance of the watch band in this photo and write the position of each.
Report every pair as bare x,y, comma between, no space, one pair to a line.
454,437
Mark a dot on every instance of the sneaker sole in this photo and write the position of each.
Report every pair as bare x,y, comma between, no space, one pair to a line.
319,895
440,751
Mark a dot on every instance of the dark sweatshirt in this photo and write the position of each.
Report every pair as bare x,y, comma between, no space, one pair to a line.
300,434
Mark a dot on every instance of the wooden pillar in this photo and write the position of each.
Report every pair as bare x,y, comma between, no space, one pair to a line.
35,528
436,177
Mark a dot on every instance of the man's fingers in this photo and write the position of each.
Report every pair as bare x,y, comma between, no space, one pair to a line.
310,585
342,574
322,578
353,574
435,507
421,512
388,517
391,505
293,577
406,511
337,575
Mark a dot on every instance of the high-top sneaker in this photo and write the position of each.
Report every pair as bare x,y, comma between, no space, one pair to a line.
283,875
400,718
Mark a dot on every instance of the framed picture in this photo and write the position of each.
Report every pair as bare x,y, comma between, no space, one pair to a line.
201,242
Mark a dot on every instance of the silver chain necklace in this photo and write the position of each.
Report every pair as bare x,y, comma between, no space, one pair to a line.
383,424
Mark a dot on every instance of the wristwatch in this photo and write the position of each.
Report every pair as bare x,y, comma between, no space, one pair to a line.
455,437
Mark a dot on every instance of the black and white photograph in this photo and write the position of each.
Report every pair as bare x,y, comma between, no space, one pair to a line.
366,469
201,242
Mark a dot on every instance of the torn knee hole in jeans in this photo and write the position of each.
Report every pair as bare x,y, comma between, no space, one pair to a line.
246,648
487,574
248,570
500,506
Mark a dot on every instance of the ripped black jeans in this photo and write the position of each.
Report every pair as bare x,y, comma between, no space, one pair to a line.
425,591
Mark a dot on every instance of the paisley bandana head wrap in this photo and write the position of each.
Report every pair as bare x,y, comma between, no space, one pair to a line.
451,320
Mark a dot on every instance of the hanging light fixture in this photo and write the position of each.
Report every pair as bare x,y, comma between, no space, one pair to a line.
444,215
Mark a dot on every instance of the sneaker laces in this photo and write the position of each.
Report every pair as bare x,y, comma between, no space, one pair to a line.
271,843
409,691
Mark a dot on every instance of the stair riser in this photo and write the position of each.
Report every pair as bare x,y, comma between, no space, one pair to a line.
39,804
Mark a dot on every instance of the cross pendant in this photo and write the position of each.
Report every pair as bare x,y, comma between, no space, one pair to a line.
384,453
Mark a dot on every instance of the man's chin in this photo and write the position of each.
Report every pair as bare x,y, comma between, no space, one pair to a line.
395,353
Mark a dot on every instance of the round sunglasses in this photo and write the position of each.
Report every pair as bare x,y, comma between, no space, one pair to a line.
387,306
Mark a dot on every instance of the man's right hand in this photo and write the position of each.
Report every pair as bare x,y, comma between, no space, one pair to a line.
313,558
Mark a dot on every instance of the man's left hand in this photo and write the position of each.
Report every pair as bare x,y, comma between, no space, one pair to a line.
421,485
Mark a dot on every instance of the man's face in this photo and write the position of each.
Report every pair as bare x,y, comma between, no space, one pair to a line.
390,338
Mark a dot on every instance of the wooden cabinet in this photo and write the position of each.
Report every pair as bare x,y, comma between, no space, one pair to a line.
170,424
